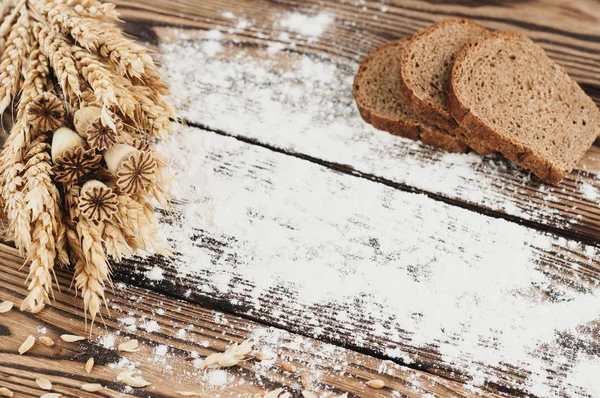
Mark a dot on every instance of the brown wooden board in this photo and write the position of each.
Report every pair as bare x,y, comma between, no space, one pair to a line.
253,214
333,134
332,369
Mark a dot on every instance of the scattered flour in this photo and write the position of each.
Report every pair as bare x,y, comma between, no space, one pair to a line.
589,192
154,274
107,341
150,326
216,378
417,270
311,26
420,272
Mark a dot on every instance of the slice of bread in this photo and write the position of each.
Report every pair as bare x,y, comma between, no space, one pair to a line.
506,92
377,93
425,71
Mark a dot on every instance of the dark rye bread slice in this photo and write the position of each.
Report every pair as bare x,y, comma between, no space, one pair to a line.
425,71
507,92
377,93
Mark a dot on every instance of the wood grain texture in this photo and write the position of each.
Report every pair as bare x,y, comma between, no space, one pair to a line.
254,214
335,135
332,369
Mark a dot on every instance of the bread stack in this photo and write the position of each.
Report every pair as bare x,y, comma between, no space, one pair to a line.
457,86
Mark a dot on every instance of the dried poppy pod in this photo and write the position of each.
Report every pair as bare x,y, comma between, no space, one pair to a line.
97,202
72,161
101,133
45,113
135,170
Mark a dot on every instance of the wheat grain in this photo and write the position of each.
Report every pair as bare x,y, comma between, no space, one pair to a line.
92,387
309,394
188,393
6,306
127,377
376,383
55,47
27,344
5,392
43,383
71,338
47,341
51,395
129,346
233,355
89,365
306,381
12,59
289,367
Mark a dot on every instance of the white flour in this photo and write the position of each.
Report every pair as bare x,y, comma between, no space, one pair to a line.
311,26
421,273
415,269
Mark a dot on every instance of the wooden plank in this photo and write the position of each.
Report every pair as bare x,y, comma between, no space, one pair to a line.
456,293
271,85
178,329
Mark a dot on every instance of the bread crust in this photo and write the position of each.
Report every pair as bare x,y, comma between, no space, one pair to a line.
414,131
477,129
423,107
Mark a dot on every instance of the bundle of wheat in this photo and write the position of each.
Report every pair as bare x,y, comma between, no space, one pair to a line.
78,169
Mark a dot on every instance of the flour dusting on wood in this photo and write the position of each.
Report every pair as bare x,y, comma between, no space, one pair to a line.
354,260
339,251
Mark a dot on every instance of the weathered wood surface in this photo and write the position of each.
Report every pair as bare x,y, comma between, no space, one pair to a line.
252,221
325,222
332,369
216,94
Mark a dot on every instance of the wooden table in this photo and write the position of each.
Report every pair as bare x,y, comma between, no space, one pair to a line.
326,190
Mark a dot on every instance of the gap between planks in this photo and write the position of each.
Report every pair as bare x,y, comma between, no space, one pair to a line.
348,169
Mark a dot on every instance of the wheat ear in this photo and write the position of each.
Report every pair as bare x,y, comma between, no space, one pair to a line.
94,9
91,266
128,57
57,49
12,157
102,81
12,59
42,204
138,220
153,114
